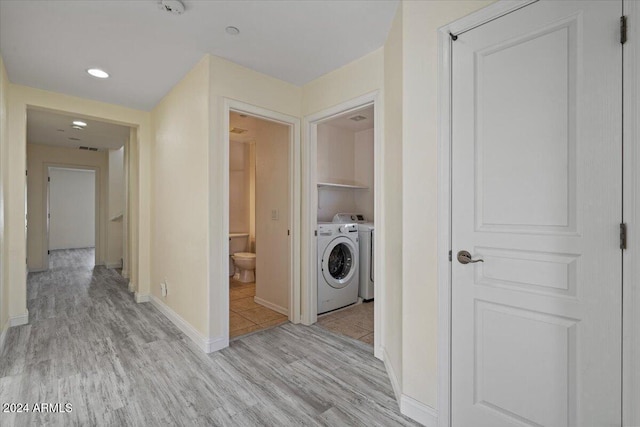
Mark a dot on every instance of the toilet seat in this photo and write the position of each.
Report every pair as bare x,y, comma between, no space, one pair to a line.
247,255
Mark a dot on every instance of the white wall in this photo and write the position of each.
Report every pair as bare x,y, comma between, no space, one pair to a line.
273,259
239,187
392,183
336,165
4,283
117,191
364,172
420,22
72,206
39,158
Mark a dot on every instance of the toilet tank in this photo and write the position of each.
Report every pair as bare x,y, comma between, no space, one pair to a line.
238,242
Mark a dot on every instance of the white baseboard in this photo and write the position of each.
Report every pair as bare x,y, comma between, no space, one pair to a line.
208,345
142,297
271,306
418,411
19,320
395,384
125,273
37,270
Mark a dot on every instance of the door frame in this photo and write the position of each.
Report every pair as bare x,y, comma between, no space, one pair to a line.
631,212
47,201
310,209
231,105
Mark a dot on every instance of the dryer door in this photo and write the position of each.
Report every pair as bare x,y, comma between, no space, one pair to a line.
339,262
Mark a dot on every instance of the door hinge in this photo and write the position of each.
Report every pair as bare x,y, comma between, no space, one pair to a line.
623,29
288,232
450,256
48,252
48,179
315,233
623,236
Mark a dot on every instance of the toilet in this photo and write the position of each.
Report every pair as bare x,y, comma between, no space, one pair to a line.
245,265
242,264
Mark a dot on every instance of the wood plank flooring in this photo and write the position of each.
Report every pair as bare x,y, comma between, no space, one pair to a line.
124,364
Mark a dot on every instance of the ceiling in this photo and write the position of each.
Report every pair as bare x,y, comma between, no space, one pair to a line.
344,121
50,44
252,125
44,127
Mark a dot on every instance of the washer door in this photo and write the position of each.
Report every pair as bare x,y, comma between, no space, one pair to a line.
339,262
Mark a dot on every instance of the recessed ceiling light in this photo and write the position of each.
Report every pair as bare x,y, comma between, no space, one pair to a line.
97,72
358,118
77,127
79,123
243,115
237,130
234,31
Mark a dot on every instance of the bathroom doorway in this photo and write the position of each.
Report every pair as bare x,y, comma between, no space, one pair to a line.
260,252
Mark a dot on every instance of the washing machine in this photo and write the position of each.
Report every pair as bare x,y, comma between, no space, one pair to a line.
338,263
366,232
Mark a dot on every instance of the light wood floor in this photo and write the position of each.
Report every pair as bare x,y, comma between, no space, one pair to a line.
120,363
245,315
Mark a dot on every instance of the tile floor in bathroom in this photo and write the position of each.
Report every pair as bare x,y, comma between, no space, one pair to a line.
245,315
355,322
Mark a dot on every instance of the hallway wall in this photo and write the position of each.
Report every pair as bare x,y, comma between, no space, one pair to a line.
4,281
19,98
72,208
38,156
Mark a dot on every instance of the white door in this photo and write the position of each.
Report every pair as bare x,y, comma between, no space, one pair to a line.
537,194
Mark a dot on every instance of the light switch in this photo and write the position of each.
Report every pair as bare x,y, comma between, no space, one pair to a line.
274,214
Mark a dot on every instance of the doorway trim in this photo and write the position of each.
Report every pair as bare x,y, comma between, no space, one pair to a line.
309,214
293,123
47,201
631,213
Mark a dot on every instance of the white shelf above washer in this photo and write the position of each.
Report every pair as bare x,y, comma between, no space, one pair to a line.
342,186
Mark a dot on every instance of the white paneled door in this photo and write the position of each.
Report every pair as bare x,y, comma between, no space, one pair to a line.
537,195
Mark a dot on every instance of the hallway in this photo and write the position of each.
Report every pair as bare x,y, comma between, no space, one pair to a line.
121,363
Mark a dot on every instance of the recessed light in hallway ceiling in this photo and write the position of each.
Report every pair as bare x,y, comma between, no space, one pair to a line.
97,72
79,123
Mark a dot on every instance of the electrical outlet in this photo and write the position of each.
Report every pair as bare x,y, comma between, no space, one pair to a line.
163,288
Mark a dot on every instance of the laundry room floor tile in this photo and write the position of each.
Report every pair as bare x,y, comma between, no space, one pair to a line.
355,322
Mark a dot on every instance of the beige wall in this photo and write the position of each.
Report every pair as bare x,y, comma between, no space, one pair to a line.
420,21
335,159
180,197
392,182
232,81
19,98
239,187
273,257
4,282
117,192
363,161
38,157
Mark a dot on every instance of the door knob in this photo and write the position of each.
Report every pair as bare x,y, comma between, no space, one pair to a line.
464,257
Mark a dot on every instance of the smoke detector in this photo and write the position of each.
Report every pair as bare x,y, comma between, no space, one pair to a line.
172,6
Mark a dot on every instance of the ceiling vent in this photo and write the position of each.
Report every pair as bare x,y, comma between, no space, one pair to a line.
357,118
172,6
237,130
87,148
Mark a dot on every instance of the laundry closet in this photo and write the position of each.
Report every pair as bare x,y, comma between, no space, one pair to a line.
345,218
